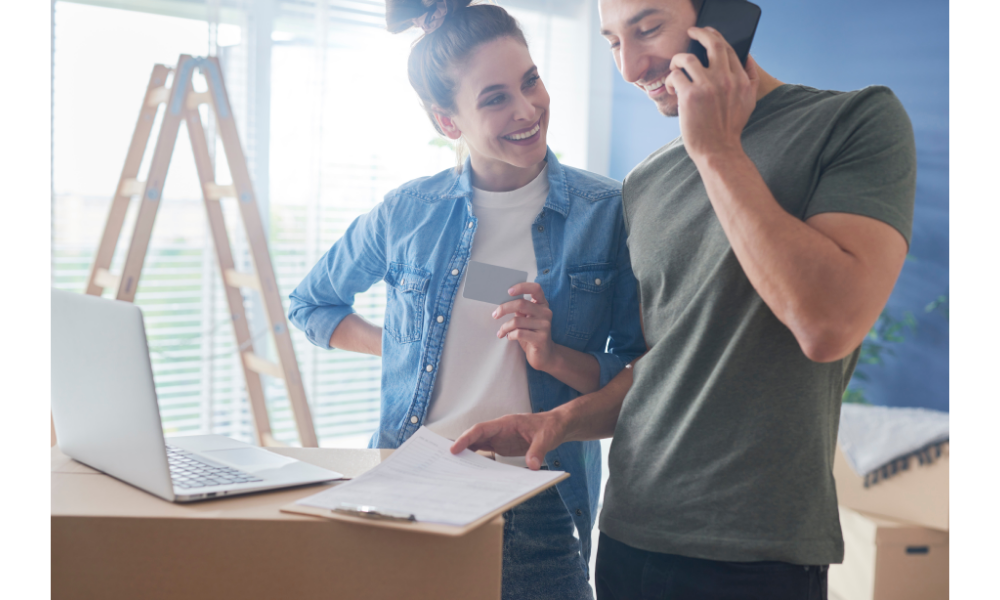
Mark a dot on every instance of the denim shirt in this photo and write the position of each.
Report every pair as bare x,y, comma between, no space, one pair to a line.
418,240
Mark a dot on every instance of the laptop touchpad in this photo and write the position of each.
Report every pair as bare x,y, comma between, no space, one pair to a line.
250,459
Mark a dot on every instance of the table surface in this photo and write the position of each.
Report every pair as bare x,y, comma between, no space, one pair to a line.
78,490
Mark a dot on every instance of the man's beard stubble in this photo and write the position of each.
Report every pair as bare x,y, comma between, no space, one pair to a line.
668,107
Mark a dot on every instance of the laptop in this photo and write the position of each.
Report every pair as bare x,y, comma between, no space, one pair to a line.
106,415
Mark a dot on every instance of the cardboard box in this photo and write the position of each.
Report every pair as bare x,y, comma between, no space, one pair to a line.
111,540
889,560
917,495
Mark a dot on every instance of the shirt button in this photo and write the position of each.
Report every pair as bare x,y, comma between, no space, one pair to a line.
579,512
454,271
555,463
541,228
470,224
414,420
430,368
440,319
545,271
597,282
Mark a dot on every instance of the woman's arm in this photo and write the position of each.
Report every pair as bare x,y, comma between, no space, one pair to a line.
626,341
355,334
532,328
324,300
578,370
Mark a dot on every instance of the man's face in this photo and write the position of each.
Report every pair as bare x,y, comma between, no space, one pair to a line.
644,36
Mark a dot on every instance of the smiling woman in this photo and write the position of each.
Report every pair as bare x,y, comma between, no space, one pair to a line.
485,41
449,360
501,111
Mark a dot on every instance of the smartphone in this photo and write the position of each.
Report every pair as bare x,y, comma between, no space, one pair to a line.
736,20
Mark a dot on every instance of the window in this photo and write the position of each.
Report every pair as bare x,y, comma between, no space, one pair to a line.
344,127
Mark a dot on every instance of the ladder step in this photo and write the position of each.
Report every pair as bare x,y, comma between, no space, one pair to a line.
105,279
263,366
215,191
237,279
268,441
157,96
196,98
132,187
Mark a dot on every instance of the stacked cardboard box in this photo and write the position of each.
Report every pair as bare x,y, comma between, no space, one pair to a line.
895,534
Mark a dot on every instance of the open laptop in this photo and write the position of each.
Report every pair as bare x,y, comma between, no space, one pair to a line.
106,414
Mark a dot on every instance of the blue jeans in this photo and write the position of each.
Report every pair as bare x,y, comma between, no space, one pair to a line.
627,573
541,557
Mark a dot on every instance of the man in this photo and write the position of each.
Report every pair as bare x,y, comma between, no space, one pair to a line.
766,240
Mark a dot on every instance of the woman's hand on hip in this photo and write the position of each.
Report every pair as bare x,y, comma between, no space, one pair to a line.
531,326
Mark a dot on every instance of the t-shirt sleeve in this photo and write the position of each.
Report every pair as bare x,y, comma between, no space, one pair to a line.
625,205
871,165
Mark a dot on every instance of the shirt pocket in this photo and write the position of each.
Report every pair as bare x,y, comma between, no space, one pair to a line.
590,296
406,294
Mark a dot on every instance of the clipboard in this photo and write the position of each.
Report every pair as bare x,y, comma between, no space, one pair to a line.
417,526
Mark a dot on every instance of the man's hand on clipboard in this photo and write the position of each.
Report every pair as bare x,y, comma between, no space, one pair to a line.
532,435
591,416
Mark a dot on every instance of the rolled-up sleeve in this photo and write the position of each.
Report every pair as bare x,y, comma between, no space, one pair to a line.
625,339
352,265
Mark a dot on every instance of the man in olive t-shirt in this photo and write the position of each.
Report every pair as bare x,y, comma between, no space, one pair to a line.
766,240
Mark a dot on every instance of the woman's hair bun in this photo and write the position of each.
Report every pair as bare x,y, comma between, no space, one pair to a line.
399,14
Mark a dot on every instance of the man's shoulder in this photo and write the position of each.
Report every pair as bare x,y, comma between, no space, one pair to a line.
661,160
793,101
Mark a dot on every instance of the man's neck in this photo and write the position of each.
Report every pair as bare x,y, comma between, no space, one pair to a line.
767,83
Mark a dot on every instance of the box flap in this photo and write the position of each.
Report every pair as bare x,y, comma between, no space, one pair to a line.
918,495
79,491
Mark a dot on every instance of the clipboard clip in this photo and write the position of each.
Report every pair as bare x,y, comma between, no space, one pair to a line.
372,512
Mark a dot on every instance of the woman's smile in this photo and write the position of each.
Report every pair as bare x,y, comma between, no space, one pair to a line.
526,136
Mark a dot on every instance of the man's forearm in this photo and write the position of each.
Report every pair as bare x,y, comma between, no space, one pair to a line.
355,334
594,416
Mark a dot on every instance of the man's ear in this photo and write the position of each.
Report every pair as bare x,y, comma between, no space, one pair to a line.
447,125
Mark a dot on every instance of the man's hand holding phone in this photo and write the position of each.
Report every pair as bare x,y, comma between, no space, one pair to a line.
714,102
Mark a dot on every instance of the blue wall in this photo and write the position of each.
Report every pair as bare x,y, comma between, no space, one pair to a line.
846,45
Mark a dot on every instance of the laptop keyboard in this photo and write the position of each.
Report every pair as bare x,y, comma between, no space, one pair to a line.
191,471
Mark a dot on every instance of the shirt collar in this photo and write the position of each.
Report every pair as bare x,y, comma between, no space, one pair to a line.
557,200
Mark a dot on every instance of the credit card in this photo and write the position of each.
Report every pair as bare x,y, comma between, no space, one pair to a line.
489,283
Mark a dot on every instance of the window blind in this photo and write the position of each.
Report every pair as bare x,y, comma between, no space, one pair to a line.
345,128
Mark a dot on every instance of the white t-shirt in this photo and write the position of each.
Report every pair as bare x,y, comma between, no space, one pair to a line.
483,377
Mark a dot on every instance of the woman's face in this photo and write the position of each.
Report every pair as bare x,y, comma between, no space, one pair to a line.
502,108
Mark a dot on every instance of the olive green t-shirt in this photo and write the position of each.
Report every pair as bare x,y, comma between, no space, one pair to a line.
724,447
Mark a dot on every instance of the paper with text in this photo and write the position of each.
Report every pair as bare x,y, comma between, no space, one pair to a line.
425,479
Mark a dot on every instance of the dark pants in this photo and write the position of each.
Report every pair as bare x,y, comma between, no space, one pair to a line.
627,573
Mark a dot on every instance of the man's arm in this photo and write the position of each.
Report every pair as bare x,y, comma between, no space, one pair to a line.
828,278
588,417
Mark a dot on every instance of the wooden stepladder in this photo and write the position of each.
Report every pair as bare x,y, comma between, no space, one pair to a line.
182,105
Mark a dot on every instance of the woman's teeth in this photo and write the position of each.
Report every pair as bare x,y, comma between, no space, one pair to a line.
523,136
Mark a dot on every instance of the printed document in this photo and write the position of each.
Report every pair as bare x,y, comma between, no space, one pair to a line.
425,479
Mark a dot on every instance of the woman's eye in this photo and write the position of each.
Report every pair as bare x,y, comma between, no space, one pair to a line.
495,100
530,83
615,45
650,31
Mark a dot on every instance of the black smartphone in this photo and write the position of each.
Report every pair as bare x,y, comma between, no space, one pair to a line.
736,20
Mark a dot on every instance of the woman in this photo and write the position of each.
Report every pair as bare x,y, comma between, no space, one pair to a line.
450,361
